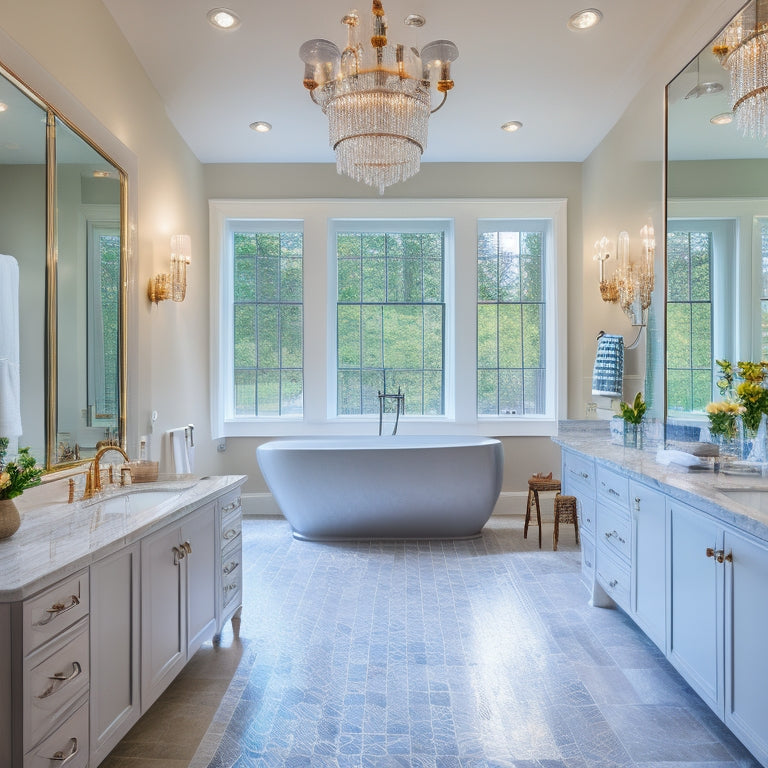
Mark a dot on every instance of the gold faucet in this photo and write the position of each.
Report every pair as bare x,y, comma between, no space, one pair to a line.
93,478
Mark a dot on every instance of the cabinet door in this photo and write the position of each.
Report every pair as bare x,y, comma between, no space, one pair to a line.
746,670
115,705
649,552
696,602
163,615
199,536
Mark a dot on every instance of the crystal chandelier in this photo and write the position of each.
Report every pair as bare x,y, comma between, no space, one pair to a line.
377,99
742,49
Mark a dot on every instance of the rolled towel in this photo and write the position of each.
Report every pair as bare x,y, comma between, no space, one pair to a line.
608,374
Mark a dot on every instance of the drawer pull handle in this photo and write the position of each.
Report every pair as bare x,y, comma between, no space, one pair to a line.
588,563
614,492
63,758
230,507
59,680
57,609
229,567
230,533
612,583
608,535
229,587
187,547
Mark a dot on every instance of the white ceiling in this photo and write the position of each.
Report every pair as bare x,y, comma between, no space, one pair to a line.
517,61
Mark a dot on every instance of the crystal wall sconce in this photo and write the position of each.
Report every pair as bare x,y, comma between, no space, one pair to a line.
172,285
631,285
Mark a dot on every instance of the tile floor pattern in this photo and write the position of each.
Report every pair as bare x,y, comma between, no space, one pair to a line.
470,654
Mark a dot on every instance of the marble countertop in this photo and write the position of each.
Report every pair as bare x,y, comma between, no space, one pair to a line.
705,490
57,539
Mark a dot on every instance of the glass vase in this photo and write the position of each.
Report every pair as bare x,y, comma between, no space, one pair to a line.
633,435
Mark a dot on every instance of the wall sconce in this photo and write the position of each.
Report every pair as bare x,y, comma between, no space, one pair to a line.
172,285
631,284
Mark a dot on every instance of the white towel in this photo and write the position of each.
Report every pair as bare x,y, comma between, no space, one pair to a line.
179,453
10,383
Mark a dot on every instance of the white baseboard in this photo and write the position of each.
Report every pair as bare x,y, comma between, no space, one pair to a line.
262,504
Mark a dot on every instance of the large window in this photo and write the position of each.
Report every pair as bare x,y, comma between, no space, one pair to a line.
390,314
511,318
320,305
267,322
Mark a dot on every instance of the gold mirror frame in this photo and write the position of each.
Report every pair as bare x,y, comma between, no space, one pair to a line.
51,297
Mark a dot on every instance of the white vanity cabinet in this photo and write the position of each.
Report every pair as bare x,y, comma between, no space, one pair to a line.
719,621
648,589
230,563
83,656
114,701
578,479
178,607
696,614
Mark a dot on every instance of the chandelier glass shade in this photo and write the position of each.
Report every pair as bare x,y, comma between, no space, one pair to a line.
377,98
742,48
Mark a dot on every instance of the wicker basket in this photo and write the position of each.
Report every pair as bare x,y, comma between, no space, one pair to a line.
143,471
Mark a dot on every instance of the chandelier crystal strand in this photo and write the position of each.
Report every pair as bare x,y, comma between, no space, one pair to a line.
742,48
377,99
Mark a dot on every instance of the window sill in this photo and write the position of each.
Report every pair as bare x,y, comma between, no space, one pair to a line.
489,426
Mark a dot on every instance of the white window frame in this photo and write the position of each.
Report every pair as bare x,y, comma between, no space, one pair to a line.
320,311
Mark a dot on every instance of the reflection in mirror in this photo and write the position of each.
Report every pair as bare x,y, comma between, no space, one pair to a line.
717,242
88,291
22,270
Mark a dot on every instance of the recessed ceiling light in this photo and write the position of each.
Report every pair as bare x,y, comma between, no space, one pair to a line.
585,19
260,126
223,18
722,119
415,20
511,126
3,106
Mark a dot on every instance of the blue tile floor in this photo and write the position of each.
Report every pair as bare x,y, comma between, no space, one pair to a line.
445,654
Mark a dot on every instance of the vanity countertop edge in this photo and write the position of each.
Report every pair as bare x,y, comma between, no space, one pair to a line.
699,489
57,540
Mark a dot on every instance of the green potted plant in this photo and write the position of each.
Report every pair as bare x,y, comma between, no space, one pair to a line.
15,478
633,420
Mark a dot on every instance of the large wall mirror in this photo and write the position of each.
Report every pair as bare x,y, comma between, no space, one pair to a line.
62,240
717,236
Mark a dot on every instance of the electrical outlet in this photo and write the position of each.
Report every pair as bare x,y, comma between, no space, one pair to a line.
222,446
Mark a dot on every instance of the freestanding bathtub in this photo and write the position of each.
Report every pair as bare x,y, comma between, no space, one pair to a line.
390,487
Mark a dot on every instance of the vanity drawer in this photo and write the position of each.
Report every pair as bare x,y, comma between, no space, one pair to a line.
52,684
585,508
231,526
66,746
613,577
232,559
614,530
613,487
229,503
231,587
52,611
578,474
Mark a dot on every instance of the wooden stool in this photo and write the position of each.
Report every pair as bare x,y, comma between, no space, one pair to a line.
535,484
565,512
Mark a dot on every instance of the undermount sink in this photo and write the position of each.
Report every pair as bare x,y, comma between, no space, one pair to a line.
757,498
135,501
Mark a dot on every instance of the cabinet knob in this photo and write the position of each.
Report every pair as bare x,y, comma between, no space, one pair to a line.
710,552
187,547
